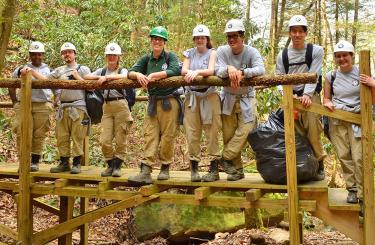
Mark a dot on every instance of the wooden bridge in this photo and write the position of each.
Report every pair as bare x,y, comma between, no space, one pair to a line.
315,197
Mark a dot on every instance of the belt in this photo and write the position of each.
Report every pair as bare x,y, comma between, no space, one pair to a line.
69,101
202,90
240,96
114,98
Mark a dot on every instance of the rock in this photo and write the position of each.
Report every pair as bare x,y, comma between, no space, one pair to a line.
284,225
280,236
221,235
257,239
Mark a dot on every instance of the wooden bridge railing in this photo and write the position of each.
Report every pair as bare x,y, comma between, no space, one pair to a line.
25,235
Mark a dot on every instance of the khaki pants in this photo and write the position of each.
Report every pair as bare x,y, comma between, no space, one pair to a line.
235,132
68,130
40,124
349,152
160,130
115,124
310,126
193,127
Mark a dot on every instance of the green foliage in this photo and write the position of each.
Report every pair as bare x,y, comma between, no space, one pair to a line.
268,99
90,25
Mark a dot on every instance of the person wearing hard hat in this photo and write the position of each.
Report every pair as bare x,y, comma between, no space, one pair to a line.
300,57
72,119
41,104
342,91
117,119
202,107
236,61
164,107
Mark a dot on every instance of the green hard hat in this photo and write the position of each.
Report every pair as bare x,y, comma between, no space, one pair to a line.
159,31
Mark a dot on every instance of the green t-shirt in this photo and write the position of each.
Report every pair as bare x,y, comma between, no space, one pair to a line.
147,64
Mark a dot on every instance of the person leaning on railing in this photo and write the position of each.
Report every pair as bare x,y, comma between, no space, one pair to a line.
342,91
164,108
117,119
202,106
41,107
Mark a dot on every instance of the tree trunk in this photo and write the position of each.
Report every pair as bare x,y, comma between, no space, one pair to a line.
355,23
280,26
176,81
6,22
337,21
247,19
273,29
346,33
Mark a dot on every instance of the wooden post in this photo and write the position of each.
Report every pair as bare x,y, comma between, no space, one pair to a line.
290,147
66,213
367,152
84,202
25,224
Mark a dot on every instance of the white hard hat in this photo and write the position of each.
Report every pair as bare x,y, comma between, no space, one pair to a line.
297,20
201,30
234,25
36,47
68,46
113,48
343,46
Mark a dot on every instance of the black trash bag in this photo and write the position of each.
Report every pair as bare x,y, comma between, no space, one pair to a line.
268,142
94,105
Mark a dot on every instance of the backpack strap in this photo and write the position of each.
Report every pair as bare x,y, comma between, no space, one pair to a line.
285,60
333,77
308,56
121,91
19,71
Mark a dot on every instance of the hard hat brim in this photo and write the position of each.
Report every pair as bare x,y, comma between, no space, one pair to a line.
159,35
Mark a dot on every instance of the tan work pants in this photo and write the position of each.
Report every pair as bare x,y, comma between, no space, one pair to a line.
235,132
40,124
193,127
115,124
310,126
349,152
68,130
161,131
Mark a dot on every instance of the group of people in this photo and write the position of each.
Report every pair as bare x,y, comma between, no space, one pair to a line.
232,111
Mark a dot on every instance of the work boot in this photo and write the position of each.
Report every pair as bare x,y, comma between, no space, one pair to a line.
194,171
213,173
34,163
352,197
237,175
108,171
117,167
76,169
62,167
164,172
143,178
321,174
361,208
228,166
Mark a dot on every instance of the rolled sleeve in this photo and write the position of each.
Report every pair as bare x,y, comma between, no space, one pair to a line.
221,67
174,66
141,65
256,65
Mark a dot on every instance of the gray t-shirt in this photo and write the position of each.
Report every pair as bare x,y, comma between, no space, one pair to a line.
63,72
37,95
198,61
346,87
113,93
249,59
297,56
